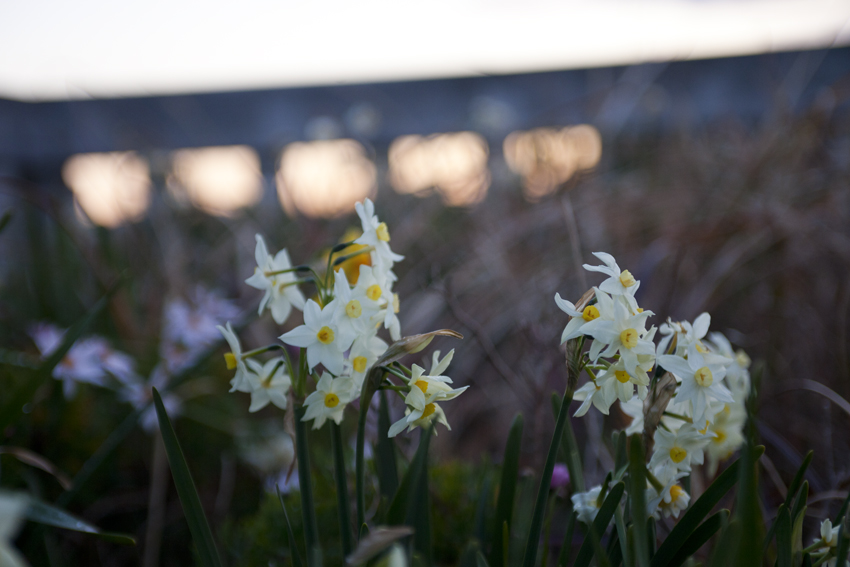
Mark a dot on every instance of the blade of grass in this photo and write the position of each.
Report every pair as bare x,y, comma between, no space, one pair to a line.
699,510
507,490
724,551
699,537
783,538
570,447
748,508
397,512
4,220
385,454
597,529
290,537
419,508
789,497
530,556
341,490
43,513
201,533
800,502
308,509
843,547
637,498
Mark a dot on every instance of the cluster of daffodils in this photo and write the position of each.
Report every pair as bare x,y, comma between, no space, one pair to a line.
338,340
624,362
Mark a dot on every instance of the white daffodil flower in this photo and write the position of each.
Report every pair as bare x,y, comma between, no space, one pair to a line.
377,235
422,408
672,499
375,287
603,309
619,384
625,335
365,350
12,507
234,361
591,393
634,409
727,435
269,382
328,401
324,340
828,533
737,371
677,451
355,309
619,283
281,291
587,504
700,382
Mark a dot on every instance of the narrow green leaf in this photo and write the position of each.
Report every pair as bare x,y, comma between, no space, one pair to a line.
637,497
482,509
418,513
843,511
12,409
308,509
622,535
507,490
4,220
290,537
699,510
798,479
748,508
43,513
807,560
596,549
341,481
621,457
724,551
797,534
570,447
480,561
801,501
201,533
783,538
598,527
385,452
530,556
376,542
699,537
409,481
651,537
843,548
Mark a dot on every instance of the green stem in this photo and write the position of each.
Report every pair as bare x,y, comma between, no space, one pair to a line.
656,484
678,416
816,545
287,271
341,490
342,259
260,350
308,510
359,465
530,557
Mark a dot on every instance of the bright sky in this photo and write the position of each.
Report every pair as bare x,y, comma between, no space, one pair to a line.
56,49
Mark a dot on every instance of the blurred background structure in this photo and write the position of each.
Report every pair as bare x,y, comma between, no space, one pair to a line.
706,145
